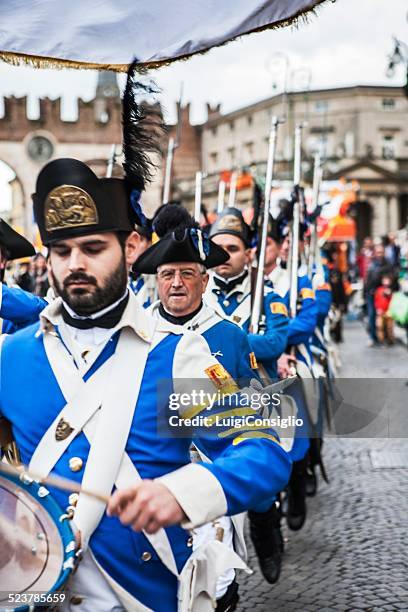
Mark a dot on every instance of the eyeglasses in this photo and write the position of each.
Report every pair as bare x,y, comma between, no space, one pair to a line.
186,275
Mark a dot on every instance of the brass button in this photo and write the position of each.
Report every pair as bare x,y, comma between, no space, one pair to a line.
146,556
75,464
226,303
190,541
73,499
76,600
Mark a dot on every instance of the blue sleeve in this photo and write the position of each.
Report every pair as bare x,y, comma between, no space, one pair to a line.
272,343
229,344
323,303
7,327
302,326
20,307
251,472
246,366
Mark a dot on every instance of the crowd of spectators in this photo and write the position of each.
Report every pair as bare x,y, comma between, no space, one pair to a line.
381,268
32,276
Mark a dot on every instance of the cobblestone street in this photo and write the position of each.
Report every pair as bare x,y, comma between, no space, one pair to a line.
352,553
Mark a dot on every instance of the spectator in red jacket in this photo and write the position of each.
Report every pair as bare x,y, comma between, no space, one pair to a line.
382,299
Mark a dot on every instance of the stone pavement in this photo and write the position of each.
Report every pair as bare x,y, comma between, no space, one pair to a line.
352,553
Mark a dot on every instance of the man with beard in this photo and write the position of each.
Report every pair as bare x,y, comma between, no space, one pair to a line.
93,364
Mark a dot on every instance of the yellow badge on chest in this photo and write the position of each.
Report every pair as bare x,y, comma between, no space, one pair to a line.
307,293
279,308
221,378
252,361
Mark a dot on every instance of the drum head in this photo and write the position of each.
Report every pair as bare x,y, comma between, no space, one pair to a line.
31,548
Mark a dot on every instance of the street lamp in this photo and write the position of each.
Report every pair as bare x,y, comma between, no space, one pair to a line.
399,55
300,80
270,63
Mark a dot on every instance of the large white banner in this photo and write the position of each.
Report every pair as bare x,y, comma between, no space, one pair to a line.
104,33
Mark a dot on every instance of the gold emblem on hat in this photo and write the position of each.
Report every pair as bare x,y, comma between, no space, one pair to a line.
69,206
63,430
230,222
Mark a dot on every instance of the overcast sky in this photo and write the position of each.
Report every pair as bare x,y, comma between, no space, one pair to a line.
347,43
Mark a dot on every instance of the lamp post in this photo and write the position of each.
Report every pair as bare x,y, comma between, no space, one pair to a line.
271,68
399,55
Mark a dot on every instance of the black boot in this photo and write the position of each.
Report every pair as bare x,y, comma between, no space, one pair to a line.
296,509
311,481
229,601
315,458
312,460
268,541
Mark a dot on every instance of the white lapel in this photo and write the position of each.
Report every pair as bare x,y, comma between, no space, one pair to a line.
242,312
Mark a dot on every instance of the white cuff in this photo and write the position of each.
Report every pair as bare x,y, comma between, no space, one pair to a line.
198,492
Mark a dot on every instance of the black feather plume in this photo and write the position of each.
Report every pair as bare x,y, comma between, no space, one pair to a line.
172,218
143,130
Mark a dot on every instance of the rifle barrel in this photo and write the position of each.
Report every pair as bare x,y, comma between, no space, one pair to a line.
197,199
258,296
167,175
294,263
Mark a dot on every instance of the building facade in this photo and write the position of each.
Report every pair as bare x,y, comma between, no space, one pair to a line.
361,132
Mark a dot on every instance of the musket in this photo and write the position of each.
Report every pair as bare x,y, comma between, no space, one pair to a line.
172,146
294,259
233,188
317,177
111,161
258,295
167,174
197,198
221,196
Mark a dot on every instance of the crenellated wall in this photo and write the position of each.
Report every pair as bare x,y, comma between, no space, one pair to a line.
99,121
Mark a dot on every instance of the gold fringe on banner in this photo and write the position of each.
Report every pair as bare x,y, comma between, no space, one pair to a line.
38,61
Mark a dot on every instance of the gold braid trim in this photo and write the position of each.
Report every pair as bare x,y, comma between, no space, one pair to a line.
39,61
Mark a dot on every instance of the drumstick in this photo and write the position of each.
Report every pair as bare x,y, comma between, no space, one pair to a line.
53,481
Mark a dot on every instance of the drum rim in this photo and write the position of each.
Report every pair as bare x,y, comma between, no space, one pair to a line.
56,513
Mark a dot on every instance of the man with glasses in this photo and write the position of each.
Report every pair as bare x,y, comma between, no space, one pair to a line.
181,282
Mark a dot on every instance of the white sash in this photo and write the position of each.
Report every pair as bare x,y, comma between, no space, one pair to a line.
130,364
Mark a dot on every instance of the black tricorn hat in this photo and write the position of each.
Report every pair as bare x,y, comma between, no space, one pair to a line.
70,201
15,244
231,221
190,245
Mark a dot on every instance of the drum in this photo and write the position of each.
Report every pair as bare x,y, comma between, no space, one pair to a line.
37,544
